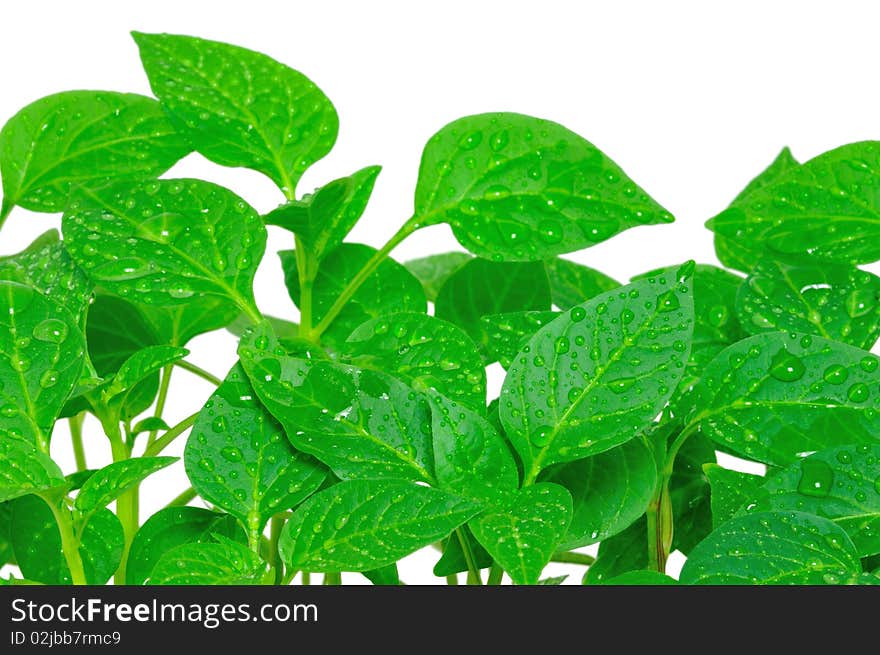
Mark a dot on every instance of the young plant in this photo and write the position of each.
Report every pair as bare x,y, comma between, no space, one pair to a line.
361,433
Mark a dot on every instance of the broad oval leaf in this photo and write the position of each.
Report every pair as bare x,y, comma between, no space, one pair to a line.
523,534
610,491
360,423
238,458
37,544
507,333
24,469
107,484
171,527
83,138
825,208
239,107
774,396
834,301
389,289
433,270
167,242
470,458
41,357
115,330
424,352
226,562
572,283
598,375
358,525
179,324
771,548
521,188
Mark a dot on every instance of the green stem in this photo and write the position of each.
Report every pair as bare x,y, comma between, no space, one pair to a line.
408,228
452,580
573,558
5,210
288,577
170,435
76,438
197,370
306,578
306,274
161,399
496,573
332,579
473,571
126,503
254,532
69,542
275,526
183,498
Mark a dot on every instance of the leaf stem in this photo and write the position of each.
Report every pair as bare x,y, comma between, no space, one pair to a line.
408,228
473,572
183,498
69,542
76,438
199,371
5,209
170,435
452,580
126,503
254,532
573,558
161,399
332,579
496,573
306,578
306,270
276,523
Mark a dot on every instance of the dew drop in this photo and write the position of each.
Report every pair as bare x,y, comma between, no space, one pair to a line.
860,302
868,364
817,478
49,379
858,393
786,367
52,330
621,384
219,424
231,454
835,374
541,436
578,314
562,345
667,302
206,464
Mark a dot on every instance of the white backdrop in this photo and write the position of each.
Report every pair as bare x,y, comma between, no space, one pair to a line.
692,99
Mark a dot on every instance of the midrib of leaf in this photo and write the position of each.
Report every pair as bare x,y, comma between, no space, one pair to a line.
29,402
803,300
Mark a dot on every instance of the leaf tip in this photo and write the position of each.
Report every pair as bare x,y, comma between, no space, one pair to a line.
686,270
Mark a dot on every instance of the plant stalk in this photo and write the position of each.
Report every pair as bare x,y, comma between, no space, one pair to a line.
170,435
76,439
573,558
200,372
69,542
474,577
276,523
496,574
183,498
161,399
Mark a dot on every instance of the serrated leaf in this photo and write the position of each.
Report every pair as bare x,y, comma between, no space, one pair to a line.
83,138
731,491
358,525
426,353
359,422
433,271
196,563
640,578
167,242
24,469
41,357
841,484
507,333
171,527
107,484
37,544
774,396
773,548
238,458
624,552
388,289
470,457
826,208
523,534
596,376
834,301
572,283
610,491
482,287
520,188
239,107
323,219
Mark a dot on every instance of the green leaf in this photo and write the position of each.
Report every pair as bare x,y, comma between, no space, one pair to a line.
826,208
116,330
624,552
690,493
774,396
424,352
238,107
433,271
572,283
773,548
24,469
520,188
482,287
238,458
360,423
41,357
386,576
731,491
110,482
323,219
178,325
167,242
360,525
7,556
139,366
37,544
171,527
453,559
610,491
470,457
738,252
841,484
507,333
834,301
523,534
596,376
83,138
388,289
149,424
640,578
196,563
554,581
285,330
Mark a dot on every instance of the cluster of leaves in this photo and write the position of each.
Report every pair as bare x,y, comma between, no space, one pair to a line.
362,433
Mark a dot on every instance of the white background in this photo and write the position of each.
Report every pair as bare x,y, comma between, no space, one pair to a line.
691,98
